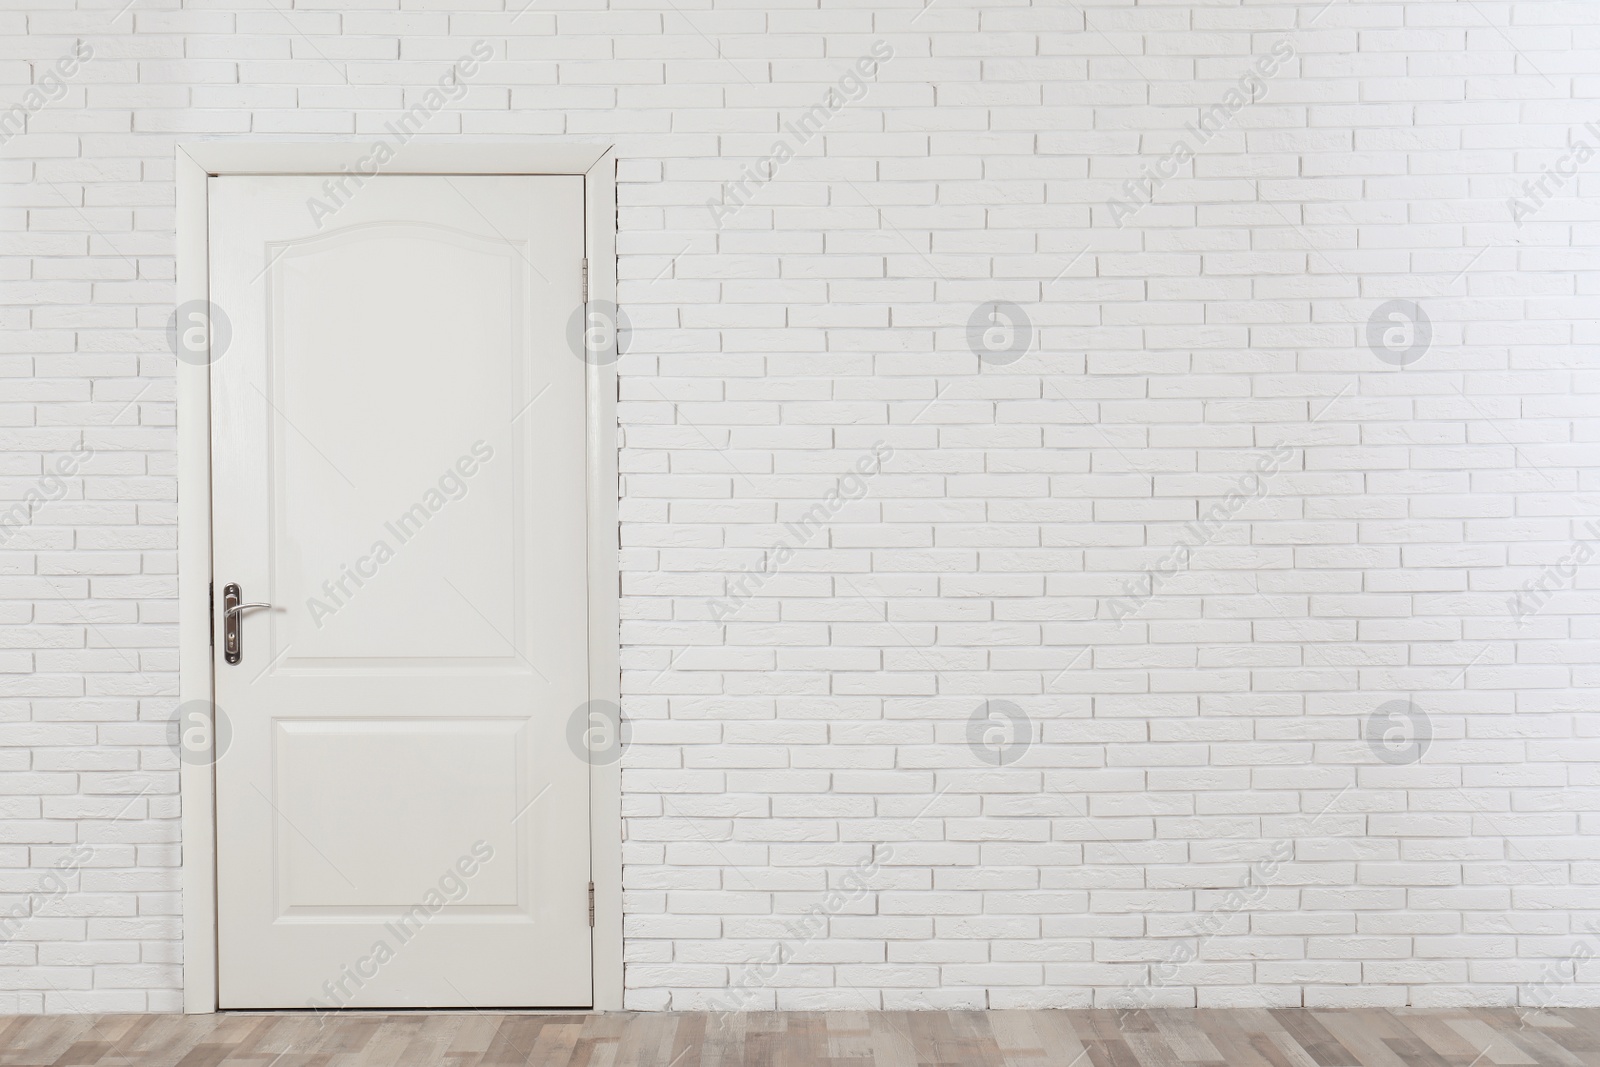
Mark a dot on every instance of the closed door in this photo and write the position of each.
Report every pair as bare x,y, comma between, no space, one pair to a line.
398,473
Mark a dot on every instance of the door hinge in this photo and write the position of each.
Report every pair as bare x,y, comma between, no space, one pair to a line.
586,297
211,607
591,905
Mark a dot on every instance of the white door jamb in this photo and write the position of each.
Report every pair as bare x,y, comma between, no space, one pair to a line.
196,162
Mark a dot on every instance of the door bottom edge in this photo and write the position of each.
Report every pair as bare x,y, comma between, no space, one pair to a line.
334,1013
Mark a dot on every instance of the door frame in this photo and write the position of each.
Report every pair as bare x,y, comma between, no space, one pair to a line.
195,163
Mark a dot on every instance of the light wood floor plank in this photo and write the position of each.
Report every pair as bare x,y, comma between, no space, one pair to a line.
1084,1038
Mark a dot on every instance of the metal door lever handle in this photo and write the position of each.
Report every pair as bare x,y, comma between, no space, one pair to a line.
232,636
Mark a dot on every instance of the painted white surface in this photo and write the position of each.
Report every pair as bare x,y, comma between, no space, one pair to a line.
197,872
769,352
398,458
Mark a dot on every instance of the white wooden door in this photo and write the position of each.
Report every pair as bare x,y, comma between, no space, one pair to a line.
398,470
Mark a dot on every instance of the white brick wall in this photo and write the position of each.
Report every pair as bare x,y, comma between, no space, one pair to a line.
1198,818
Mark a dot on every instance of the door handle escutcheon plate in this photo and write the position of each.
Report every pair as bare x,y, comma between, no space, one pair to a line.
232,611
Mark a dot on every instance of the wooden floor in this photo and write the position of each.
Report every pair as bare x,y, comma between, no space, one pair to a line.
1242,1038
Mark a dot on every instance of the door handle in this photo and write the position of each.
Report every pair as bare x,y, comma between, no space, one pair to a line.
232,609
